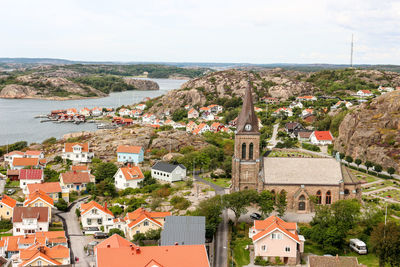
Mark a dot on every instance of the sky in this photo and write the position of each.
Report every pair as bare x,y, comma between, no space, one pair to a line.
240,31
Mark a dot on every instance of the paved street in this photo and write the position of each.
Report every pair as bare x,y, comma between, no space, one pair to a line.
76,238
221,240
272,142
2,184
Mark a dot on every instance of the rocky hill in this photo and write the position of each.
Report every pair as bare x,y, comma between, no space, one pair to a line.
372,131
142,84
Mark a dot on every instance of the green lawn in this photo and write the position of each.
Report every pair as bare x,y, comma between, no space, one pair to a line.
12,184
363,176
381,185
240,254
223,182
286,154
5,234
395,194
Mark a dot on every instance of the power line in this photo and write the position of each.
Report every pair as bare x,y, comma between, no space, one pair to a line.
351,52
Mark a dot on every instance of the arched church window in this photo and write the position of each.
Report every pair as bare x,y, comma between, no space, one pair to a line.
328,198
346,191
319,197
302,202
244,151
251,147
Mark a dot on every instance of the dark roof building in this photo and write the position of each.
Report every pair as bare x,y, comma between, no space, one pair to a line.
39,213
333,261
166,167
183,230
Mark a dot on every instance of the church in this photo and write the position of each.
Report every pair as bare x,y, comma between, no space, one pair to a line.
301,178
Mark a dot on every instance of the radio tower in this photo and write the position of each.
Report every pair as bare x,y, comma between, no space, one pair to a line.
351,52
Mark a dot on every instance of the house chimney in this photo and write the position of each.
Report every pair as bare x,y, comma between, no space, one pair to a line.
176,243
74,171
137,250
108,245
105,205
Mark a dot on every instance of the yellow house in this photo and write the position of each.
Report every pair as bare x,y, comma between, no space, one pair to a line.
141,221
7,205
39,255
39,199
52,189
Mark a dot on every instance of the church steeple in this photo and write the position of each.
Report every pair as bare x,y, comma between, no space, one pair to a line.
247,120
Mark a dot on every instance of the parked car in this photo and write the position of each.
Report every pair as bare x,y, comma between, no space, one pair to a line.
255,216
358,246
10,191
98,235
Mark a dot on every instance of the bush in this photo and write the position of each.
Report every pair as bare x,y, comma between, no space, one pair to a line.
78,212
61,205
50,141
58,159
180,203
260,261
310,147
5,225
116,231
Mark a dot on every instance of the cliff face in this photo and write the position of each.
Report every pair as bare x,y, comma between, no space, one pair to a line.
142,84
18,91
372,132
230,83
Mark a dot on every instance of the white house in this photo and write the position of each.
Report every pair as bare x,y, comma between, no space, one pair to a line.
364,93
202,128
34,154
96,111
132,154
307,111
85,112
321,138
21,163
191,126
95,215
295,104
125,112
29,220
148,118
168,172
215,109
385,89
208,116
9,157
128,177
306,98
192,114
29,176
339,103
286,111
77,152
141,106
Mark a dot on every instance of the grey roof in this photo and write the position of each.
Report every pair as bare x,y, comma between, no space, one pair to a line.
184,230
166,167
302,171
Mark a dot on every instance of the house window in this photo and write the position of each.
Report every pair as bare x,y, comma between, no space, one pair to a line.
89,222
251,147
276,236
346,191
302,203
264,248
1,206
94,211
17,230
100,221
8,213
137,231
287,249
328,198
243,150
146,223
319,197
39,263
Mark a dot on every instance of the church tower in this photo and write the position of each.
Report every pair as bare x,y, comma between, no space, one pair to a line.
246,158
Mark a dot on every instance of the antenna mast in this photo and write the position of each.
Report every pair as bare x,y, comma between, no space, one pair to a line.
351,52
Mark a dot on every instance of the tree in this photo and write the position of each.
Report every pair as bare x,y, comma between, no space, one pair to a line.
116,210
153,234
266,202
368,164
378,168
281,203
116,231
61,205
391,171
349,159
385,241
211,209
341,156
104,170
179,114
358,162
78,212
236,202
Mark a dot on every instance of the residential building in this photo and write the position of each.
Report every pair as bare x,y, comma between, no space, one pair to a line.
136,113
347,104
191,126
80,168
179,125
207,116
85,112
187,107
216,127
118,252
306,98
131,154
168,172
141,106
192,114
202,128
96,111
183,230
321,138
34,154
52,189
140,221
7,205
274,238
128,177
215,109
38,255
283,111
304,135
306,112
39,199
310,118
271,100
77,152
364,93
148,118
333,261
9,157
292,128
29,220
295,104
72,111
13,175
30,176
21,163
76,181
125,112
95,215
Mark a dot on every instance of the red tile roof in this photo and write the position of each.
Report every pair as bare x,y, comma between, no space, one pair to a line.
15,153
79,168
115,241
69,147
36,195
30,174
85,207
140,214
33,152
132,173
323,135
25,162
6,200
162,256
52,187
73,177
276,225
129,149
41,213
366,91
12,172
39,237
263,224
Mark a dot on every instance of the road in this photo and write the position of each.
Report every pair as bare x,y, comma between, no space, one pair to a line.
76,238
272,142
221,240
2,185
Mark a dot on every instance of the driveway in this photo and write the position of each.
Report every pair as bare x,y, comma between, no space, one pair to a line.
272,142
76,238
2,185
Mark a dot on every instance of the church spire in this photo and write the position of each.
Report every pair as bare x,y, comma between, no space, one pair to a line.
247,119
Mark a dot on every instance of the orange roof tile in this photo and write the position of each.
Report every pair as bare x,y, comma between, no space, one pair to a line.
263,224
79,168
73,177
129,149
323,135
132,173
16,152
36,195
52,187
276,223
85,207
33,152
140,214
25,162
115,241
6,200
69,147
39,237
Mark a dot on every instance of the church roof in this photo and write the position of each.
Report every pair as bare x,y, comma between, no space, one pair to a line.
323,171
247,114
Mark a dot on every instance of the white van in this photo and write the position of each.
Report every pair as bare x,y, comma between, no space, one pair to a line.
358,246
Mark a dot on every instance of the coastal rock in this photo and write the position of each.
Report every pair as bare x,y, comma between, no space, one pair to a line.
18,91
142,84
372,132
